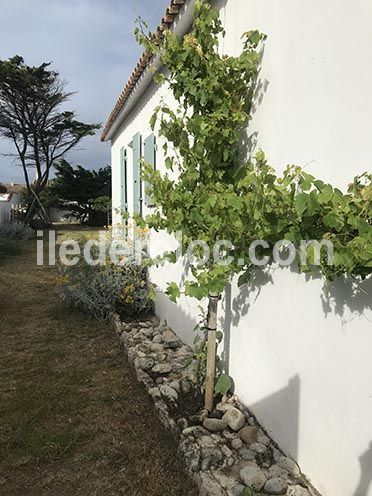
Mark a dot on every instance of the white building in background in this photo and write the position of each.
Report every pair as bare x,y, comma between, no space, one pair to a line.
9,201
300,360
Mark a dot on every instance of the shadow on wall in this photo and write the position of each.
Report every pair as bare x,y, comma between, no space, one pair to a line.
234,309
248,141
220,4
365,482
285,404
178,319
345,297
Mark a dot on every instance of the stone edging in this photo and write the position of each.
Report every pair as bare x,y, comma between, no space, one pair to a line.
224,453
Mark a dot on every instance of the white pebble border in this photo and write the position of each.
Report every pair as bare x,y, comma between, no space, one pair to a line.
224,453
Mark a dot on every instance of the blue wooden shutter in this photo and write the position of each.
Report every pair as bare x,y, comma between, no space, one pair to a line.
123,181
149,155
137,200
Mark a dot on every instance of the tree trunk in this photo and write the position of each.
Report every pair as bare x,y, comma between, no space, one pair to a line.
36,207
211,351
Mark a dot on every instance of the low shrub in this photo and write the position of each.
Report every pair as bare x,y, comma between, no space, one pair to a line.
9,235
16,231
101,290
9,248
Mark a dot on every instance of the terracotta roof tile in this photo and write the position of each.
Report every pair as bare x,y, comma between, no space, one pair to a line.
166,22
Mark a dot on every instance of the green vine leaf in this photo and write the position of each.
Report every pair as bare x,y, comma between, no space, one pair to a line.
223,384
302,203
195,291
173,291
219,196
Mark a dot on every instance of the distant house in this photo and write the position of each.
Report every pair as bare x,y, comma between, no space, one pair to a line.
301,362
57,215
9,201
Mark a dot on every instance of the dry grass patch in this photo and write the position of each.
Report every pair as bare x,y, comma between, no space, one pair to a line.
73,420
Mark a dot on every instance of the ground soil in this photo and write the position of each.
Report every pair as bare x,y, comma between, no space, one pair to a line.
73,420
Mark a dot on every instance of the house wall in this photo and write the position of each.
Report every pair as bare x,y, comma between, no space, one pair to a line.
6,208
300,358
58,215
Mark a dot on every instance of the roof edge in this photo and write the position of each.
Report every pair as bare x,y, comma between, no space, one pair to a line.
179,10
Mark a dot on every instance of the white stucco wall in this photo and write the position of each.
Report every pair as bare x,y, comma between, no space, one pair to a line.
299,359
6,208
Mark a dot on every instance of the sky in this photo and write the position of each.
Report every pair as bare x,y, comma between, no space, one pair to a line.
91,44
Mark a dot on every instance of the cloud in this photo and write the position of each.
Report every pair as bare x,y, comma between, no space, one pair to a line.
91,44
